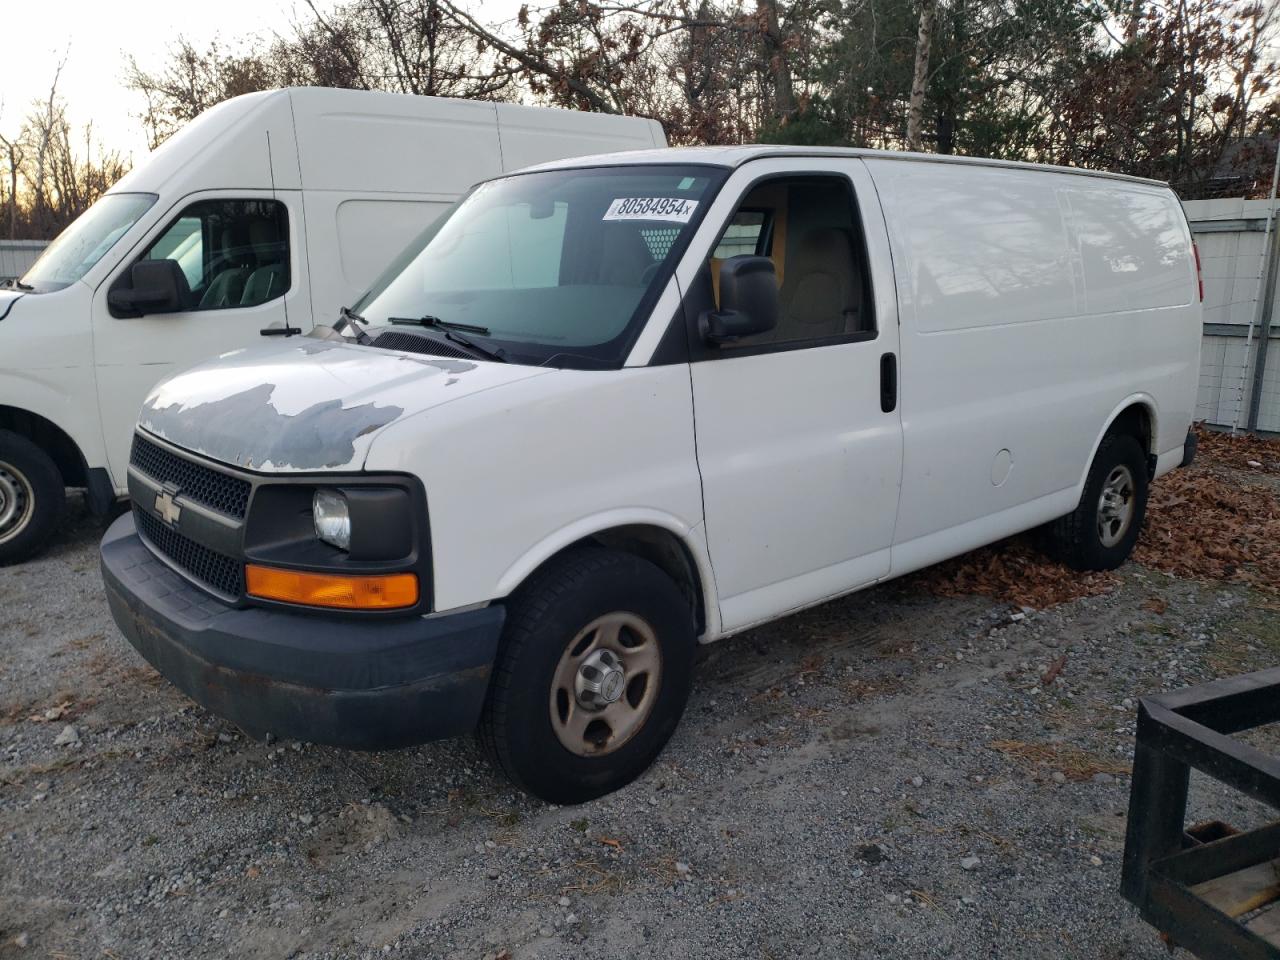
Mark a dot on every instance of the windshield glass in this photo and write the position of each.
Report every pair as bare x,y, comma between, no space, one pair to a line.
86,240
556,267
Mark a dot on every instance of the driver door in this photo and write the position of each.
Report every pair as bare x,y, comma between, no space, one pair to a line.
241,258
798,434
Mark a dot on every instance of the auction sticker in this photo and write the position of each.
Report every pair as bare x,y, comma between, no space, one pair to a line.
672,209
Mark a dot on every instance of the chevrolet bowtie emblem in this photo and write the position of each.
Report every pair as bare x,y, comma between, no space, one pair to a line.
168,510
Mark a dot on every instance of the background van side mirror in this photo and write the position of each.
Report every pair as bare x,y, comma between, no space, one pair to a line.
155,286
748,300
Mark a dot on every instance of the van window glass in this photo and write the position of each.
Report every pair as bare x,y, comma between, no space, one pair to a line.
86,240
510,248
555,267
809,228
744,235
371,233
234,253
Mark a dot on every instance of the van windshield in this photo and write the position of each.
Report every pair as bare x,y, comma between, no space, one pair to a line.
86,241
555,268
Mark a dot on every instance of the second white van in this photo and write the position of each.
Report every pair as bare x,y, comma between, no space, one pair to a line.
269,210
610,408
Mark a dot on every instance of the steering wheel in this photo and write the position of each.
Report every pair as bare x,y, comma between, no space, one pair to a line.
649,273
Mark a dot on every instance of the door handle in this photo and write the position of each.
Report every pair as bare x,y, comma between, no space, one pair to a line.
888,382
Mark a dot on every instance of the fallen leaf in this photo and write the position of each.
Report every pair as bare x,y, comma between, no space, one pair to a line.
53,713
1055,668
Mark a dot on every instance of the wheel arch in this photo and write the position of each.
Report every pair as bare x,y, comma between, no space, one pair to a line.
661,539
1137,416
52,439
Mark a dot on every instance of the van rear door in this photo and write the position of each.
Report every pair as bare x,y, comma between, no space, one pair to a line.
798,436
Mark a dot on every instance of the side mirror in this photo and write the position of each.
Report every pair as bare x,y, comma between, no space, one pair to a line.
748,300
155,286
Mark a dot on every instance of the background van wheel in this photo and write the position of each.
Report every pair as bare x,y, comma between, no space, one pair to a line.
1100,533
592,676
32,496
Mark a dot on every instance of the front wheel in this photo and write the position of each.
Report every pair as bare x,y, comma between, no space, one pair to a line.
592,677
1101,532
32,496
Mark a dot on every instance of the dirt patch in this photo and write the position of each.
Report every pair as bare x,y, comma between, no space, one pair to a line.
1075,764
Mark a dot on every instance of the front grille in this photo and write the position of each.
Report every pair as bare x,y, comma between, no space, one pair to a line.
212,488
218,571
412,343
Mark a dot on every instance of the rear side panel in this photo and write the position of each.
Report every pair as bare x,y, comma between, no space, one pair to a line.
536,134
1035,306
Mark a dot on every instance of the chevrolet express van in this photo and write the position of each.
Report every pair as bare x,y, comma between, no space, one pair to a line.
611,408
271,209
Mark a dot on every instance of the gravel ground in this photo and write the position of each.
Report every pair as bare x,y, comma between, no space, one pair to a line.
886,775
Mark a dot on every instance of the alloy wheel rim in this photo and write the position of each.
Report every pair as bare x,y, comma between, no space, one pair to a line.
1116,505
605,684
17,502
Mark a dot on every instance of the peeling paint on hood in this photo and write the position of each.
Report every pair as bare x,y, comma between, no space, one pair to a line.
304,404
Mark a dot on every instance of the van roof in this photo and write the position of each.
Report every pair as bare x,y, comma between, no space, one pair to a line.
318,138
736,156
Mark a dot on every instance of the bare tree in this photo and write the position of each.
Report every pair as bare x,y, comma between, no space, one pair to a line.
920,75
53,172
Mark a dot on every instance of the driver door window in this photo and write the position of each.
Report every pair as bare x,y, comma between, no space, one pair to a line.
233,253
809,228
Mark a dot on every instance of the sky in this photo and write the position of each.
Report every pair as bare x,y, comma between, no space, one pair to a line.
95,37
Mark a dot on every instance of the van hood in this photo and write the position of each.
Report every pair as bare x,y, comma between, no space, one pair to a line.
307,404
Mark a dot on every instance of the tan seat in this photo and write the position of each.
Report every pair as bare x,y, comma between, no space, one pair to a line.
821,294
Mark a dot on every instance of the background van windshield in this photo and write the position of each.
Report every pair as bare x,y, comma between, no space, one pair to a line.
555,264
86,240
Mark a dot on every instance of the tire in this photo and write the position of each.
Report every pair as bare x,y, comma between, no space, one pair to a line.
591,625
32,497
1100,533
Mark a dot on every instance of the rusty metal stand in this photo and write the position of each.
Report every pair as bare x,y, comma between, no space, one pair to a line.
1213,892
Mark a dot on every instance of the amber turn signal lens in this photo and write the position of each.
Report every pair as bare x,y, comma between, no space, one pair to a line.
384,592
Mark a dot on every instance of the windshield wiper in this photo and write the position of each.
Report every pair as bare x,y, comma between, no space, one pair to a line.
448,329
14,283
430,321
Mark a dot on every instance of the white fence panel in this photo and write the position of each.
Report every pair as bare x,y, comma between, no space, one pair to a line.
1231,236
18,255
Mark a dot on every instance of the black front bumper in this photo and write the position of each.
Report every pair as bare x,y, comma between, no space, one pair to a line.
367,684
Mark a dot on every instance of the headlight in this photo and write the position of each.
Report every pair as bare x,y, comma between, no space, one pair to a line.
332,518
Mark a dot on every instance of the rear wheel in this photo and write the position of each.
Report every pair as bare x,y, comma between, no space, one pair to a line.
592,676
1101,532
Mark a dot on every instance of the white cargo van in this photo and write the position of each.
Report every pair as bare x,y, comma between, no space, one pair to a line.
613,407
270,209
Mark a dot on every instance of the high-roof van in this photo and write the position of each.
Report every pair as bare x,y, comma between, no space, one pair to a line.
271,209
611,408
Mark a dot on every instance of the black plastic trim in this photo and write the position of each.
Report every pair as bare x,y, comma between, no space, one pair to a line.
1189,448
277,530
337,681
100,492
